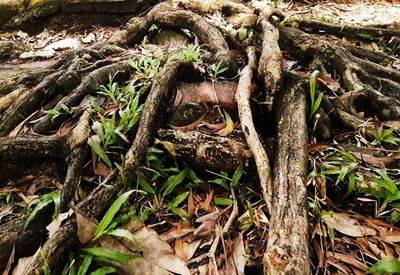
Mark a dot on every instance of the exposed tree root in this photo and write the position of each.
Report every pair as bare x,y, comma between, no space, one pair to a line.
101,197
246,122
204,151
361,77
371,86
287,248
270,66
359,32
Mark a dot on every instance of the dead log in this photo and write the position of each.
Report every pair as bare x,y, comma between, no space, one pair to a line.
204,151
287,247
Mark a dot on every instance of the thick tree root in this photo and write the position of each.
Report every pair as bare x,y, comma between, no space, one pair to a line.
287,248
204,151
31,147
156,103
270,66
246,122
359,32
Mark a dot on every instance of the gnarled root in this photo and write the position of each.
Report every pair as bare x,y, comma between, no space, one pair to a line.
102,196
377,83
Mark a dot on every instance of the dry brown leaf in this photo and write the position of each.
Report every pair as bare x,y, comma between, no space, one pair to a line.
236,258
320,254
24,263
348,259
158,252
347,225
206,205
329,82
56,223
175,232
207,226
390,236
86,228
221,93
191,207
184,249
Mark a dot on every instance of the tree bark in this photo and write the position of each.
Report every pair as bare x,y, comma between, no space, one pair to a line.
287,247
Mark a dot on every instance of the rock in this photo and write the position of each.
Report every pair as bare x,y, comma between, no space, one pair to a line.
65,44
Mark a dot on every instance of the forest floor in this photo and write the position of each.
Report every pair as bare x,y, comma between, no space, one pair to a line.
114,178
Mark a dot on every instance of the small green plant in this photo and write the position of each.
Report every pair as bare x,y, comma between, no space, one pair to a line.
107,225
315,102
189,53
42,203
64,110
146,67
385,267
107,254
385,136
215,70
344,165
111,90
245,33
7,196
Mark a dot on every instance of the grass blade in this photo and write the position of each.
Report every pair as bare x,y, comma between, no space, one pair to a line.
110,255
108,217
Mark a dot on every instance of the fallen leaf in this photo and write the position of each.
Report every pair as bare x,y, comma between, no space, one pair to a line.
347,225
184,249
212,93
329,82
64,44
348,259
390,236
88,39
229,126
157,251
86,228
236,258
175,232
24,263
207,226
56,223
